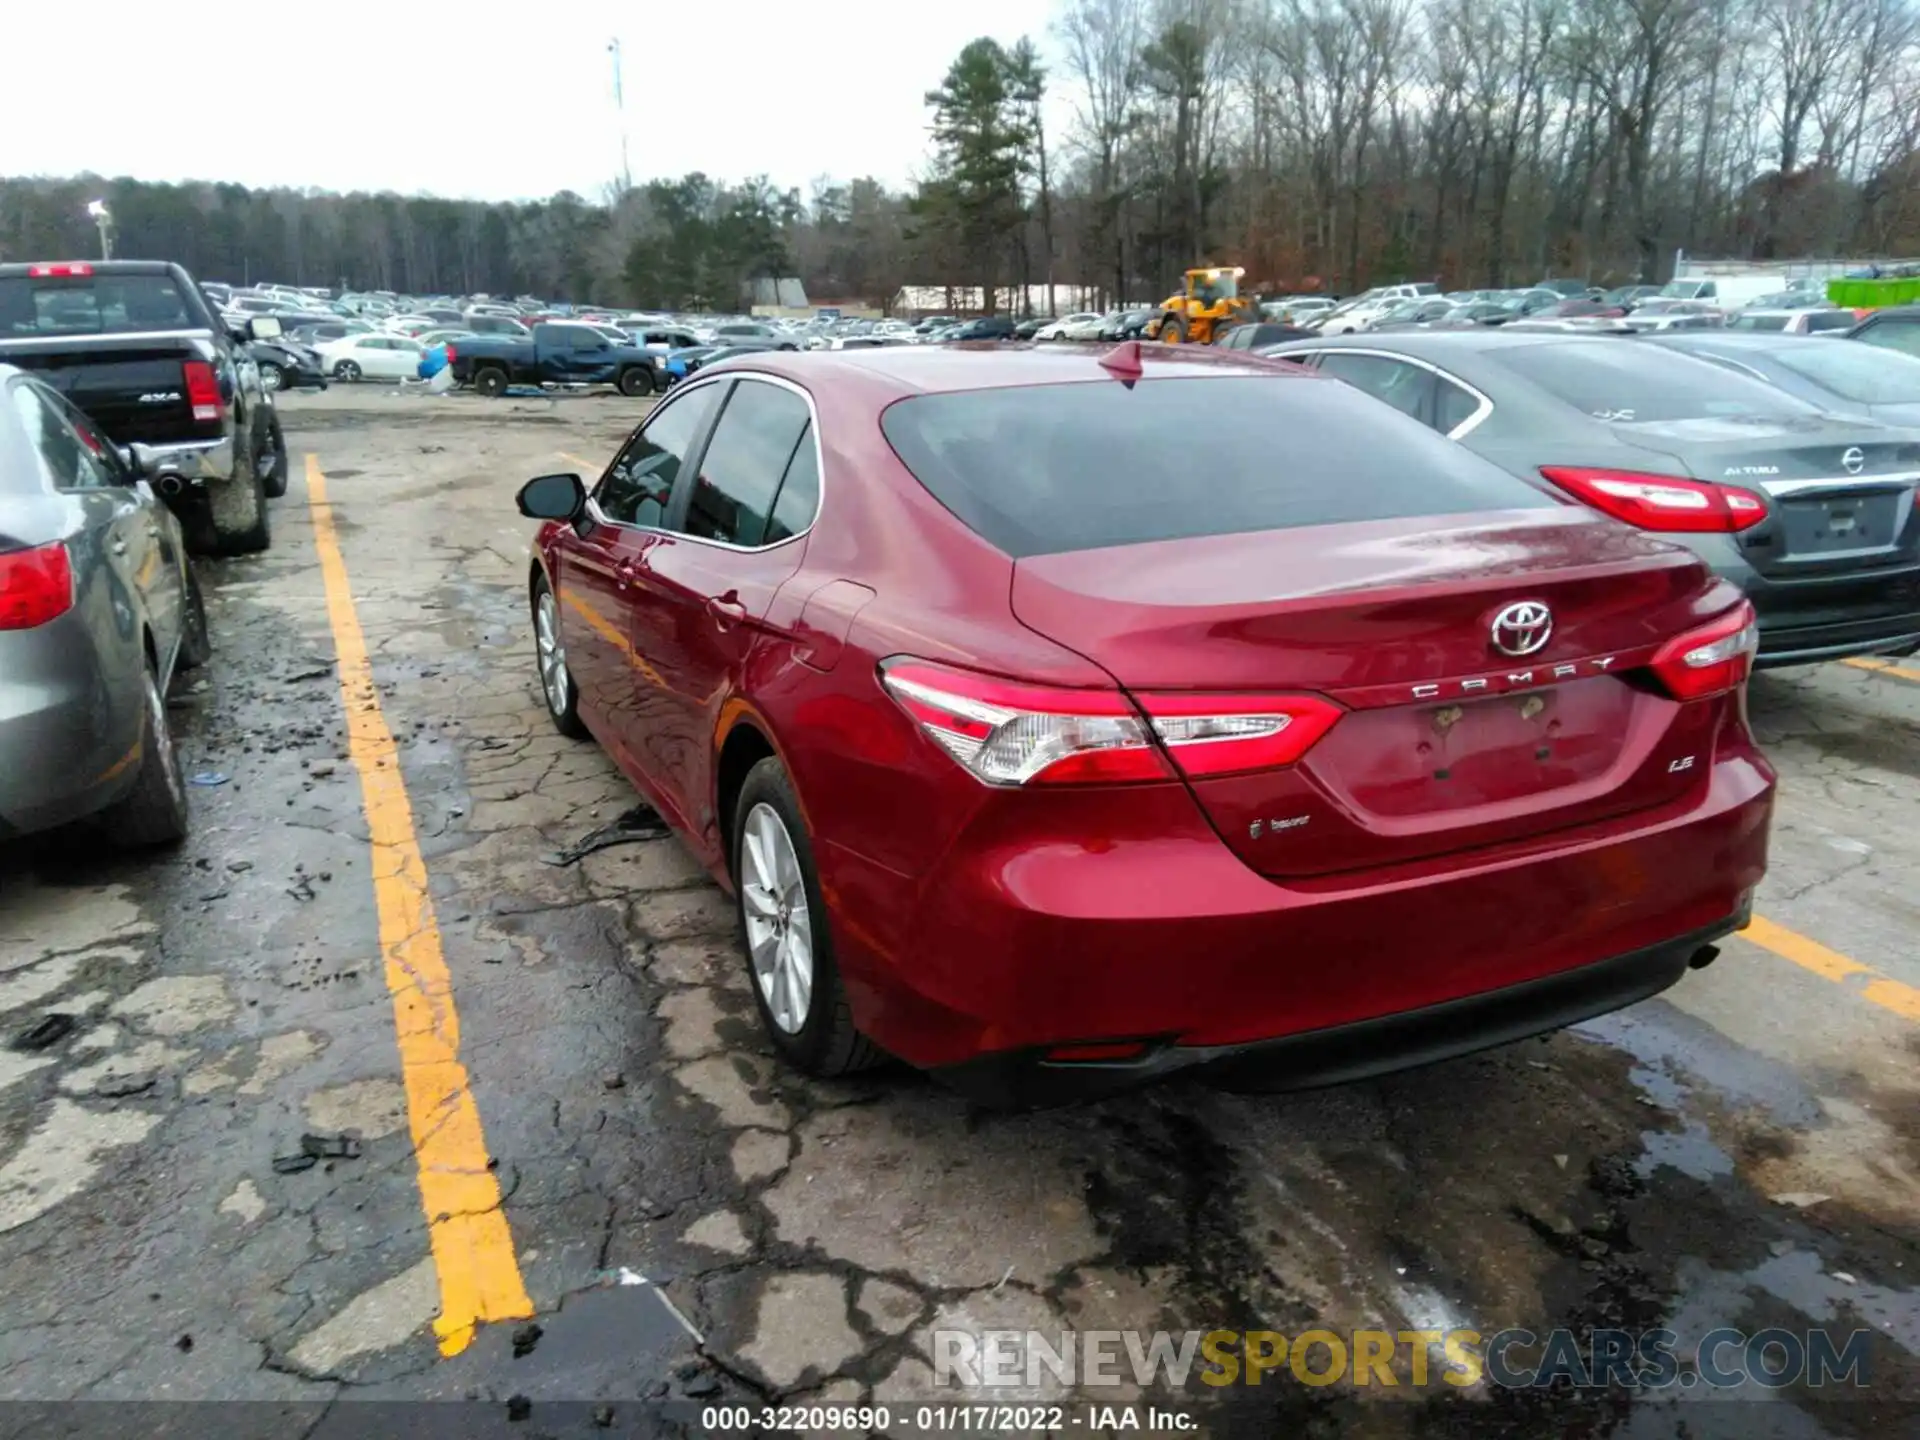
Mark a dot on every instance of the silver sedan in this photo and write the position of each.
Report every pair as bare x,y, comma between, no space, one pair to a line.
98,609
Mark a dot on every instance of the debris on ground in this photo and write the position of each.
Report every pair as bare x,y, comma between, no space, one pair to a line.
344,1146
294,1164
184,1344
642,822
1799,1199
122,1087
519,1407
207,778
613,1080
47,1031
525,1337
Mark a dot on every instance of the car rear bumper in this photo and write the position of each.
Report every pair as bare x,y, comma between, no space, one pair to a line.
1360,1050
1157,933
194,463
1828,617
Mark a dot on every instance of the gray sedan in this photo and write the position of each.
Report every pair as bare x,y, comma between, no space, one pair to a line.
98,608
1813,515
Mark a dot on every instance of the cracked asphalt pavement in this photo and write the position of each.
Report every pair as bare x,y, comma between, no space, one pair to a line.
211,1169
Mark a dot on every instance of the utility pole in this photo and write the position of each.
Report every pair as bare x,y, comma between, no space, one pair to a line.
620,109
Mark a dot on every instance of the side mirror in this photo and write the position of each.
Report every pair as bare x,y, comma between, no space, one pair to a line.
553,497
264,327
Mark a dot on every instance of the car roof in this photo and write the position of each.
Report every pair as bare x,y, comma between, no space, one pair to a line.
921,370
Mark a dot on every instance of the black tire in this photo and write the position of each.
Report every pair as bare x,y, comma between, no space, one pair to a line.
559,692
637,381
275,482
1174,330
490,381
826,1043
154,812
196,640
237,512
347,370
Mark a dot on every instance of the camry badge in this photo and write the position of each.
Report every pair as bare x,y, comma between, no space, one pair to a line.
1854,460
1522,628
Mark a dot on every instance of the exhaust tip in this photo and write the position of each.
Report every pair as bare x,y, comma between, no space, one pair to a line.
1703,957
170,485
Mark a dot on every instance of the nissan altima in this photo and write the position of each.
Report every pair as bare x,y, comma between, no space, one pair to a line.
1047,756
1811,514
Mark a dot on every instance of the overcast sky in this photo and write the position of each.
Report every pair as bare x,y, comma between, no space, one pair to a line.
419,97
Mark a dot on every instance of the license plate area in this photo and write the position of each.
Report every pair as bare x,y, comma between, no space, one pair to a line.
1427,759
1840,524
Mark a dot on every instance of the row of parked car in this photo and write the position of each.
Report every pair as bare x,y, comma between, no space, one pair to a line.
135,431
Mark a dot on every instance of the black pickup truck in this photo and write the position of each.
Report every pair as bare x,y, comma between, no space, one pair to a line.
135,345
557,353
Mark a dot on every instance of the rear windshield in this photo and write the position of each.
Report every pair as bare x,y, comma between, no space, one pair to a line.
1861,373
91,305
1758,322
1630,382
1041,469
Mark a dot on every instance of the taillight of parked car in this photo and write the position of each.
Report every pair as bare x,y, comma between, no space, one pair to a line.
35,586
1661,502
452,354
203,390
1711,660
1005,732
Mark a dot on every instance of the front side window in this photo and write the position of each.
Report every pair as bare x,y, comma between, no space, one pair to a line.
637,486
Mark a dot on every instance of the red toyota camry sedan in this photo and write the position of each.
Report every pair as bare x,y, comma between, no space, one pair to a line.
1062,718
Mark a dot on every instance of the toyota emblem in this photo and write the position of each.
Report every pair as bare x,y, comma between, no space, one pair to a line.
1854,461
1522,629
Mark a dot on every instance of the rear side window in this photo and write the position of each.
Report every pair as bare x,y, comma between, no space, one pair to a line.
1040,469
91,305
1626,382
1758,322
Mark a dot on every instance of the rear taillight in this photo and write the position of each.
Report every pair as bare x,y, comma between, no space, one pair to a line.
452,354
1661,502
1008,733
70,267
203,391
35,586
1226,734
1711,660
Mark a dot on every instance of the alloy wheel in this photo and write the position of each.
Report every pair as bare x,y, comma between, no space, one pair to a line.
550,653
779,924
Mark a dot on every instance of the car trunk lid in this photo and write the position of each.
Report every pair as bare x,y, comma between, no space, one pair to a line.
1840,493
1447,742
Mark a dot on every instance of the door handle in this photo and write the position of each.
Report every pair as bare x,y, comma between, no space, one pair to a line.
726,610
118,547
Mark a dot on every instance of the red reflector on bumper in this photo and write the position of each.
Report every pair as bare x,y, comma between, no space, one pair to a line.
1083,1054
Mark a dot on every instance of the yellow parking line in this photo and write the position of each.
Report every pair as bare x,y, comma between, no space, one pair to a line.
1883,667
587,465
472,1246
1901,999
